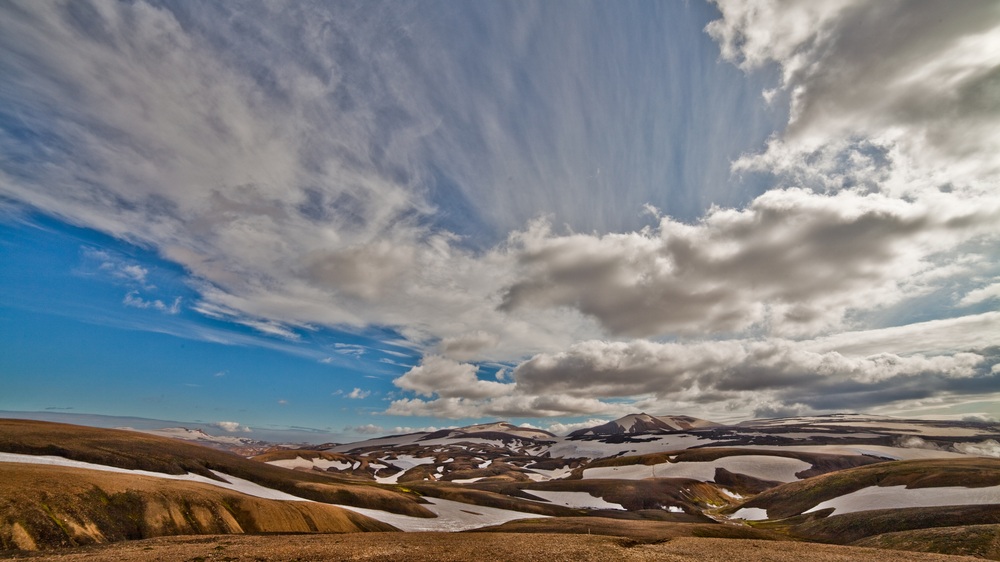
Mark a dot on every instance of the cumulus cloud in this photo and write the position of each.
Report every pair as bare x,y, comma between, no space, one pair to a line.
793,260
468,346
766,378
614,369
559,428
358,394
916,76
232,427
448,379
367,429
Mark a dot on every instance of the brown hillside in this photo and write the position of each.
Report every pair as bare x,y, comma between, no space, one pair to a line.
133,450
52,506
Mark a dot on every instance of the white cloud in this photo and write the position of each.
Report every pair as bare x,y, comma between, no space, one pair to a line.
350,349
358,394
914,76
407,429
468,346
794,261
982,294
448,379
567,428
367,429
987,448
722,378
133,300
934,337
232,427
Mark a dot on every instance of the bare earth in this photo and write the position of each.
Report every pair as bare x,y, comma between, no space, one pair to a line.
421,547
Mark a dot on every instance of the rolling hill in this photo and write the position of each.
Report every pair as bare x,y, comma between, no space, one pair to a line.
803,479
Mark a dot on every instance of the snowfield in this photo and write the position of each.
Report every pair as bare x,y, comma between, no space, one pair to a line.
321,464
405,462
894,453
779,469
650,444
898,497
550,474
451,516
579,500
750,514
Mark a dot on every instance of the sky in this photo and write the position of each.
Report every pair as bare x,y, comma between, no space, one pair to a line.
348,219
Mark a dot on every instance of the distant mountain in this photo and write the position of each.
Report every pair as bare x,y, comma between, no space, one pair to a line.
486,429
645,423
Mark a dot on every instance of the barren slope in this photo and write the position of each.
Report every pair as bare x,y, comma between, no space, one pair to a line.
54,506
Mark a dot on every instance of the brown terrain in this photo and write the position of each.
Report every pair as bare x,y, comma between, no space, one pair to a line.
62,513
434,547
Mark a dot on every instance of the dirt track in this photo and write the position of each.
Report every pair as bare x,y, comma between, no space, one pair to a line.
435,547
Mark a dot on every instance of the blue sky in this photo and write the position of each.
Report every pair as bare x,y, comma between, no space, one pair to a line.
361,218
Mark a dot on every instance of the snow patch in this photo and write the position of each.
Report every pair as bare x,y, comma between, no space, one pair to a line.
750,514
780,469
581,500
320,463
898,497
231,482
451,516
733,495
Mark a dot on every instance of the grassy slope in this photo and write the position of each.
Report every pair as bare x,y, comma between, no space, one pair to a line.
139,451
53,506
851,527
639,531
971,540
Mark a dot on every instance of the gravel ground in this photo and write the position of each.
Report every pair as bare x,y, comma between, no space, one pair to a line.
436,547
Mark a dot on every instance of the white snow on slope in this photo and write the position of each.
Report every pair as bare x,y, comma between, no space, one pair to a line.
597,449
554,474
897,497
451,516
895,453
910,428
232,483
320,463
581,500
750,514
780,469
186,434
404,462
